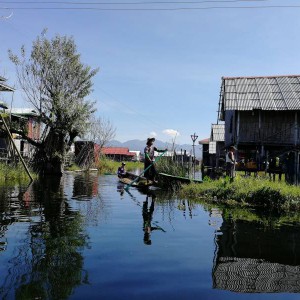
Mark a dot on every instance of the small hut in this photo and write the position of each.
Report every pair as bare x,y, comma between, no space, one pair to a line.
262,118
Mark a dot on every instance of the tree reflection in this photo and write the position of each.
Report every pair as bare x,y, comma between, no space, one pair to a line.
48,264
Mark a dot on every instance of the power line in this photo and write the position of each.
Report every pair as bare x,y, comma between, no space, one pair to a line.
153,9
130,3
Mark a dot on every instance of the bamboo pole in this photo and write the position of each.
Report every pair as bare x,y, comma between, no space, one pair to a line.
16,148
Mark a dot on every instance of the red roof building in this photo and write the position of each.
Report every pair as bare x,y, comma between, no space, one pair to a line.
118,153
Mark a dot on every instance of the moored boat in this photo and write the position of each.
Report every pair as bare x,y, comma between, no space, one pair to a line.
187,180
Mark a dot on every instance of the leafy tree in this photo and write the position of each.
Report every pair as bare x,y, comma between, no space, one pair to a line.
56,83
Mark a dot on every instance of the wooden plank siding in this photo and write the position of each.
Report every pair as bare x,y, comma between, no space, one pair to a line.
262,127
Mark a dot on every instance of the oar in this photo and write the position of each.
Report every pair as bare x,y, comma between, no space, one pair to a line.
136,179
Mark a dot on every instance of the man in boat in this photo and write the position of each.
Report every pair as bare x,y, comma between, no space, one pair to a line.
151,173
121,170
230,163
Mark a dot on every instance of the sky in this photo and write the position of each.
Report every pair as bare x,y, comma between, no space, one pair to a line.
160,70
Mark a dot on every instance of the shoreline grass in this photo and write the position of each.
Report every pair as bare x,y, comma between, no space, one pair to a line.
13,174
106,165
246,191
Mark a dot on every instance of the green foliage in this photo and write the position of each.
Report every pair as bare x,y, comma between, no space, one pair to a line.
250,191
73,167
9,174
56,83
168,166
110,166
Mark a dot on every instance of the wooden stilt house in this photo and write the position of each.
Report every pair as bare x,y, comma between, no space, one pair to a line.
262,118
217,144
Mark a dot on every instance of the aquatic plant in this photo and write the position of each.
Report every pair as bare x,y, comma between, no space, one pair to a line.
250,191
9,173
168,166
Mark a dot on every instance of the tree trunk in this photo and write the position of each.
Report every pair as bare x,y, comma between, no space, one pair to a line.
50,159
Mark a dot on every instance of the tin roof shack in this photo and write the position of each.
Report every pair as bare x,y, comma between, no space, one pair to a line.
261,115
29,119
118,153
3,132
86,153
205,152
4,87
217,145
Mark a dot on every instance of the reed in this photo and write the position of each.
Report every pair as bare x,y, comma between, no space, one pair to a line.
106,165
12,174
250,191
168,166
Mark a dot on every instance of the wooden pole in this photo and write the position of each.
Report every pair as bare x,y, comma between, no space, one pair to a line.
16,148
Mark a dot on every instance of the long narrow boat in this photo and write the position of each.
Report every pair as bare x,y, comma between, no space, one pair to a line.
179,178
141,182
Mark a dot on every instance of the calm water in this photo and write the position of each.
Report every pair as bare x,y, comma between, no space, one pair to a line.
85,238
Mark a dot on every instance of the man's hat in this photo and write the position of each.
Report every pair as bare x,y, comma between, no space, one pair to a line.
123,163
232,147
150,139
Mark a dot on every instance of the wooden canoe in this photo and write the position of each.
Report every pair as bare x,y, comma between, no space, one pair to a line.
179,178
141,182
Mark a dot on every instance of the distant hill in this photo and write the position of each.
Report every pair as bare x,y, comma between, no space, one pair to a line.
139,145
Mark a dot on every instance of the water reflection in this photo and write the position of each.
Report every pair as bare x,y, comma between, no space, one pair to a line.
253,257
148,227
54,229
85,189
47,262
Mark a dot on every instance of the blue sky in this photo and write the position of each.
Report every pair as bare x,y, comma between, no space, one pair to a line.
160,71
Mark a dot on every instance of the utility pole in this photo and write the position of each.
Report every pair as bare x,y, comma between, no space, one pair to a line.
194,138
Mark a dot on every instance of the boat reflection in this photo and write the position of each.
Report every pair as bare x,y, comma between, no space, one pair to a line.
254,258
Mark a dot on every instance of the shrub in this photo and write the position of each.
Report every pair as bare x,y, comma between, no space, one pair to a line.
252,191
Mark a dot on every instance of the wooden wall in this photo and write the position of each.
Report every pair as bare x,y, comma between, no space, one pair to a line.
267,127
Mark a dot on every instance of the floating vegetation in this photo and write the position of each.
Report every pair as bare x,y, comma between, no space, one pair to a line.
246,191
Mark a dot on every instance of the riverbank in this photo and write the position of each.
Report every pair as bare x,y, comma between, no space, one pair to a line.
13,174
107,166
246,191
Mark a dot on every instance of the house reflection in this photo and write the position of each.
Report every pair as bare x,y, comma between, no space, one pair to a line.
252,258
85,186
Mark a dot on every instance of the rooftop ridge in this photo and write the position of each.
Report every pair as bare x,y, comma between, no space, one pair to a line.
252,77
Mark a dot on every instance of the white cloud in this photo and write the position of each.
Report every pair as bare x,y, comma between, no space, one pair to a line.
152,134
171,132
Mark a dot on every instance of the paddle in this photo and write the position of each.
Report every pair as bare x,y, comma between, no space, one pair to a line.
136,179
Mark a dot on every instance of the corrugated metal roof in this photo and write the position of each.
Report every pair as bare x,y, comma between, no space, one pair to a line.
23,112
212,148
266,93
117,151
5,88
204,141
218,132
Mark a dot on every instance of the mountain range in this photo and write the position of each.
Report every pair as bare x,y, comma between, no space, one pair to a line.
139,145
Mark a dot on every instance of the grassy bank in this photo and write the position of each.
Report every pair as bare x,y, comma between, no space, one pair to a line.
246,191
13,174
109,166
